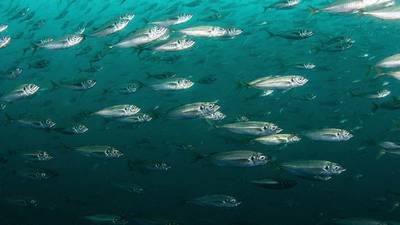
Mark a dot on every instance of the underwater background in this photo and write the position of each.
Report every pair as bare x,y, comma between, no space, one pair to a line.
84,186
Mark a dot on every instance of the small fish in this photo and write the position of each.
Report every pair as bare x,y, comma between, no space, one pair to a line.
336,44
285,4
132,188
92,69
37,156
23,202
63,43
148,166
73,130
329,134
3,27
115,26
162,76
46,124
194,110
350,6
173,84
39,64
276,184
11,73
360,221
210,31
118,111
393,74
5,41
393,104
23,91
314,169
217,200
380,94
101,151
179,19
137,118
239,158
175,45
81,85
106,219
389,145
142,37
278,139
257,128
393,151
286,82
293,35
38,174
307,66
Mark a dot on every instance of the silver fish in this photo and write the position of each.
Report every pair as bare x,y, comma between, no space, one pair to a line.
204,31
217,200
103,151
5,41
380,94
175,45
257,128
389,145
12,73
278,139
179,19
173,84
314,169
359,221
389,62
137,118
115,26
329,134
37,156
118,111
142,37
107,218
3,27
239,158
63,43
37,124
391,13
351,6
278,82
20,92
194,110
82,85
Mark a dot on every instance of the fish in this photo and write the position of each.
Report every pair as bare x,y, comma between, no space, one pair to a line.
22,91
38,174
278,82
389,145
329,134
75,129
3,27
137,118
204,31
132,188
161,76
275,183
175,45
173,84
179,19
5,41
142,37
62,43
393,74
321,170
255,128
384,151
106,218
293,35
390,13
100,151
194,110
27,202
237,158
46,124
393,104
118,111
277,139
336,44
285,4
80,85
148,166
372,95
389,62
359,221
92,69
350,6
37,156
216,200
115,26
12,73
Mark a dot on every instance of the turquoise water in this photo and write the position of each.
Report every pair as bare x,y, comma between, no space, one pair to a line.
86,185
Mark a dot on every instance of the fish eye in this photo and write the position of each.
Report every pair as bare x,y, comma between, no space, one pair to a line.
262,157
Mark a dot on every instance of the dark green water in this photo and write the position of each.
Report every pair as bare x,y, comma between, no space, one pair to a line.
85,185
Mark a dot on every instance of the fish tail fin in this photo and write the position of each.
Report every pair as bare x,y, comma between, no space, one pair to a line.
241,85
265,8
375,107
380,154
271,34
54,85
313,10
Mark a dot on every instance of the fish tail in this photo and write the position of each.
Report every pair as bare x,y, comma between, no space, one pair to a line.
380,154
265,8
375,107
313,10
271,34
241,85
54,85
9,119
